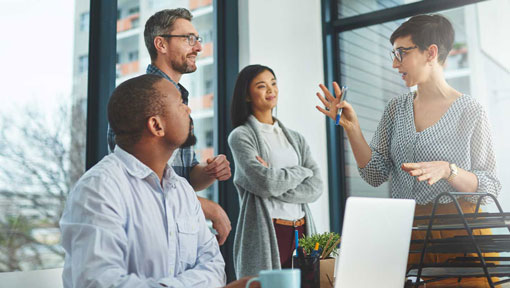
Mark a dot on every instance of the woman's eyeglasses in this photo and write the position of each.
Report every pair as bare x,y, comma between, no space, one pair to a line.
400,52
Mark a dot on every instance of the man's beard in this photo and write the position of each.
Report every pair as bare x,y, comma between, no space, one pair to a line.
191,140
184,68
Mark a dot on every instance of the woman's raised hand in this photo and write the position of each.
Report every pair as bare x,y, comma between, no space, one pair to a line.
332,104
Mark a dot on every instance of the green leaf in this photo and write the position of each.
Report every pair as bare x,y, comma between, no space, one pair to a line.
308,243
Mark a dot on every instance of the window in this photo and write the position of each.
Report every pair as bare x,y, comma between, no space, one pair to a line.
209,138
365,67
42,138
477,66
354,8
51,110
133,56
83,64
135,22
84,22
200,83
133,10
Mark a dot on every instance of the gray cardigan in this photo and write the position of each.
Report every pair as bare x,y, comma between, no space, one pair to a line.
255,243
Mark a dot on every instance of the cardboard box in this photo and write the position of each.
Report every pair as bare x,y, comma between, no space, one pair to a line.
327,270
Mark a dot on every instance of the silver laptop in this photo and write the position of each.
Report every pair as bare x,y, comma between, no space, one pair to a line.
375,243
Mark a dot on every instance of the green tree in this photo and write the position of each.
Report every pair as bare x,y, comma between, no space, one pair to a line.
34,183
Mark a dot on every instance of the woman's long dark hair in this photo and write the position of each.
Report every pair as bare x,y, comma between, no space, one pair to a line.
240,108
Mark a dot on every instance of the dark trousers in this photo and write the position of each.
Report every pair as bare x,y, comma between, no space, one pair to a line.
286,242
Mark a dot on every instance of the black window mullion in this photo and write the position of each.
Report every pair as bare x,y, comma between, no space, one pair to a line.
335,147
226,59
395,13
101,76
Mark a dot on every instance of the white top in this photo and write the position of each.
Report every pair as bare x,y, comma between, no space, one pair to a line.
281,155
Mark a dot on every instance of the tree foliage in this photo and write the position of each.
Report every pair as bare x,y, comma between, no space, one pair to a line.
35,178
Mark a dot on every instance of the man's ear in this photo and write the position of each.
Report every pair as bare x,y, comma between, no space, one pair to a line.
160,44
155,126
432,53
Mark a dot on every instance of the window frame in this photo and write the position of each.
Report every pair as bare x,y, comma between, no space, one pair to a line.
332,27
101,83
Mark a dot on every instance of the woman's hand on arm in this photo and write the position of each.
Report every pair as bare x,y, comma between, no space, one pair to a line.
434,171
311,188
264,163
258,178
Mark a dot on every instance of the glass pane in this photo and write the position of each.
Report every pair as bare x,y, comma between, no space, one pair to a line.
133,58
352,8
42,126
365,67
478,65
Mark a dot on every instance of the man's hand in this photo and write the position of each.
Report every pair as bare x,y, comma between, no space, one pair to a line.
241,283
204,174
218,217
218,168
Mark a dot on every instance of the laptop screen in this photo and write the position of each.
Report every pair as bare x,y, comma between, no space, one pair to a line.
375,243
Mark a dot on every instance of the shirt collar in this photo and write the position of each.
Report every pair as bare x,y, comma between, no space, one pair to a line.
270,128
136,168
152,69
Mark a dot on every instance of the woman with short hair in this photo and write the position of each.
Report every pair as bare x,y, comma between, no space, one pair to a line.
430,141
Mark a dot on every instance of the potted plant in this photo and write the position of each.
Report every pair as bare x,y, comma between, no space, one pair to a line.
328,246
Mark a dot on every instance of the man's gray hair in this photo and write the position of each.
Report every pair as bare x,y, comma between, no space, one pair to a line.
162,23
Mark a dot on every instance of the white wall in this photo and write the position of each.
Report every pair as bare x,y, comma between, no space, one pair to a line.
490,67
286,35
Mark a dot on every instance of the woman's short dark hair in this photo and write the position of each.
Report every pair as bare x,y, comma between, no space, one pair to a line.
426,30
240,108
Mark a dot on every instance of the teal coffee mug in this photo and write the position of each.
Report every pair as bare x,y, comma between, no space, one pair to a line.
285,278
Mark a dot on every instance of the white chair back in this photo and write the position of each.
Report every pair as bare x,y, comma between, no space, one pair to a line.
49,278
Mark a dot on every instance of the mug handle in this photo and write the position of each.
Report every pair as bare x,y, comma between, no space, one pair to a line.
252,280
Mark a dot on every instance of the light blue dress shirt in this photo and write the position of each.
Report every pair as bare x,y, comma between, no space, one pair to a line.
121,227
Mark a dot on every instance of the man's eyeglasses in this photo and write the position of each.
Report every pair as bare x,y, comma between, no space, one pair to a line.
192,39
400,52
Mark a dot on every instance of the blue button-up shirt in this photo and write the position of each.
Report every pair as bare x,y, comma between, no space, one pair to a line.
186,158
122,227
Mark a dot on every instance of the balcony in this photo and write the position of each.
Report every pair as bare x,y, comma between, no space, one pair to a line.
130,22
457,64
207,50
127,68
205,153
195,4
201,103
